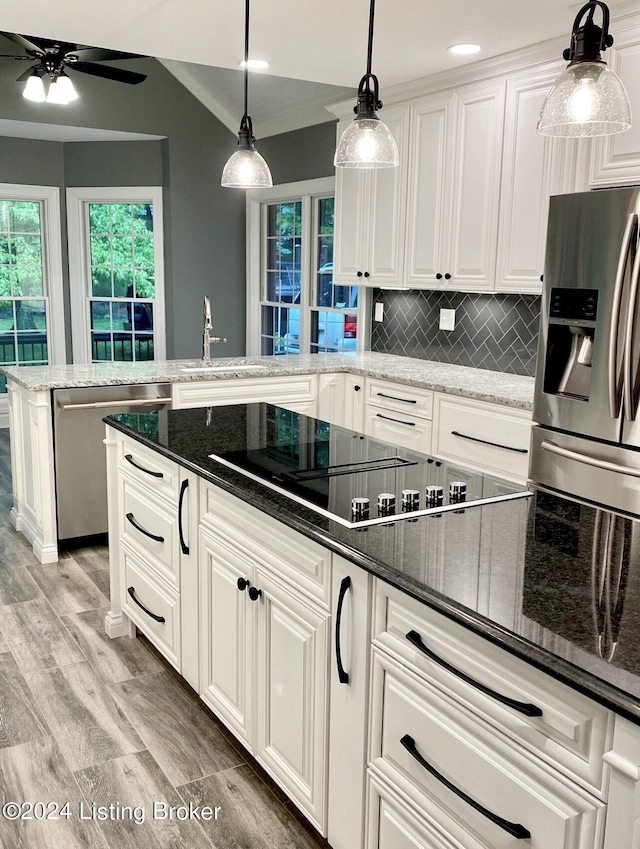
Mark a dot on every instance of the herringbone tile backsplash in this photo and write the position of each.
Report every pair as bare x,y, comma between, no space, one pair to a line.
496,332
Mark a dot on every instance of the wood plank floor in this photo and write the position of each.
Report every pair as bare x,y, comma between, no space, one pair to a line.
107,726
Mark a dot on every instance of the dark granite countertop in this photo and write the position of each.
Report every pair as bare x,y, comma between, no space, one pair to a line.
525,574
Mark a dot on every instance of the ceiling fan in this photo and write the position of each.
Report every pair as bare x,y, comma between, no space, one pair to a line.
53,58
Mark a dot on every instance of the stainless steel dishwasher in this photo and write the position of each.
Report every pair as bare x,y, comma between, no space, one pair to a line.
80,457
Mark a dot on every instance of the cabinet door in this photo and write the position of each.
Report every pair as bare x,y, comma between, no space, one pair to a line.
331,406
351,221
225,635
431,131
354,402
291,653
615,160
528,180
351,604
383,256
476,186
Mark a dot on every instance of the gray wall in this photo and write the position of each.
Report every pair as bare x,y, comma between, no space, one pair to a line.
301,154
204,223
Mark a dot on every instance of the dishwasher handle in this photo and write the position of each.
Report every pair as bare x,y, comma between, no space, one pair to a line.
105,405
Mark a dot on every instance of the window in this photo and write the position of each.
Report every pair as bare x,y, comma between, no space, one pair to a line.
31,313
115,266
293,305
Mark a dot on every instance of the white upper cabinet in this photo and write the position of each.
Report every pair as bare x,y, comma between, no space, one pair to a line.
534,167
370,215
615,160
454,187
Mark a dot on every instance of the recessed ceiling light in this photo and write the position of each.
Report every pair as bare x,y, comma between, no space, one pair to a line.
464,49
254,64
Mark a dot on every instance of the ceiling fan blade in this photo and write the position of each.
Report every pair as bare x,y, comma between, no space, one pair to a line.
117,74
24,77
100,54
23,42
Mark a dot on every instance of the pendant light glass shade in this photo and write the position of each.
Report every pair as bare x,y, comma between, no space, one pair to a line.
367,142
245,168
34,89
65,87
587,99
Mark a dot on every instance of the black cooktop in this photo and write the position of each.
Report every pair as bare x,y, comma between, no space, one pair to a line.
355,480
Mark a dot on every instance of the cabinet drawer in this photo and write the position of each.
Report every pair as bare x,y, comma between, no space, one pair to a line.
275,390
398,428
155,473
488,437
260,538
393,824
572,731
400,398
459,771
146,600
149,525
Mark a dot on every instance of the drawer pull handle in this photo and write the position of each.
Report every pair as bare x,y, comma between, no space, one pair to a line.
183,488
343,676
522,707
132,593
129,459
513,828
397,421
130,518
394,398
488,442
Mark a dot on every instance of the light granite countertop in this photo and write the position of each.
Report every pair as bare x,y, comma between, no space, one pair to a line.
512,390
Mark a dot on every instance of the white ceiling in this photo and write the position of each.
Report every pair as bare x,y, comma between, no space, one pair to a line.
323,43
63,133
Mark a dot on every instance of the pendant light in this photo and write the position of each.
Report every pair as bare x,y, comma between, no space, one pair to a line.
367,142
246,169
587,99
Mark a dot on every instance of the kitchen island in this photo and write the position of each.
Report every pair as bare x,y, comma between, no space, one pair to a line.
338,387
482,628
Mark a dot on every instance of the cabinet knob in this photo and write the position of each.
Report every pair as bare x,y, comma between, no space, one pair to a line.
447,276
438,276
359,274
254,593
542,278
243,584
366,274
357,388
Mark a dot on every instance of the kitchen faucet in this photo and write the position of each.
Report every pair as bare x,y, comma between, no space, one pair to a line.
207,338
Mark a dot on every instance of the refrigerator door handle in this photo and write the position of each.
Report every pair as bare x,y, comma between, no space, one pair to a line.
630,235
630,399
588,460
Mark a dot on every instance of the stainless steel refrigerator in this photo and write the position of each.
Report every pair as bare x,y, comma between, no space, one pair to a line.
587,438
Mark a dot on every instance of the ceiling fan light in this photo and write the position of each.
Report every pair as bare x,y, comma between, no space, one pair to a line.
587,99
246,169
34,89
366,143
56,94
66,87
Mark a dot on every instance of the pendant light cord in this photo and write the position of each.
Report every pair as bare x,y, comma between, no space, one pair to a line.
370,46
246,59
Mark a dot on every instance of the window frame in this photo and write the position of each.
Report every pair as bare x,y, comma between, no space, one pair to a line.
49,197
308,191
80,295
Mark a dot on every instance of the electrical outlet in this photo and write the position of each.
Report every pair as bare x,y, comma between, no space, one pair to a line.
447,319
378,313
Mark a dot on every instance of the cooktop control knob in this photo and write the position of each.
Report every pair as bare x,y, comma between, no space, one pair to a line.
359,509
410,500
457,492
435,496
386,504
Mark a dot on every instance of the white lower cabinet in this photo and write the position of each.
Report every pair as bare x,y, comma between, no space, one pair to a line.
399,414
341,399
265,644
295,392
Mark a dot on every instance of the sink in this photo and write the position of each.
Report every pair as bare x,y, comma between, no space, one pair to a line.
220,369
